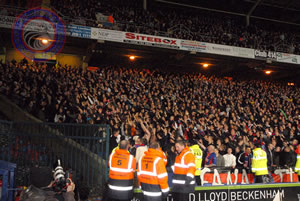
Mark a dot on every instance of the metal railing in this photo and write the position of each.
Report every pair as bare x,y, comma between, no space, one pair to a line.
83,150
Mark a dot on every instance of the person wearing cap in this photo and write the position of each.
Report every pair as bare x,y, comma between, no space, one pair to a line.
259,163
41,180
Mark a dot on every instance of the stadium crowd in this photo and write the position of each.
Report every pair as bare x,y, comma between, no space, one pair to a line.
144,106
184,24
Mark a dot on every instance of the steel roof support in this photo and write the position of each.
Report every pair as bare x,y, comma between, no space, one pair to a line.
251,11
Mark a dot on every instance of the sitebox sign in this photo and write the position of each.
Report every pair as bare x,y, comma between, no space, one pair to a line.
253,192
156,41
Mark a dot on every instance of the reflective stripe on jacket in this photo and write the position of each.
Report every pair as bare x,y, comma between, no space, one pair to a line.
152,175
297,167
184,171
121,168
195,149
164,157
259,162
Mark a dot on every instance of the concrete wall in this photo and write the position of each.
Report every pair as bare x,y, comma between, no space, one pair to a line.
73,60
2,57
13,54
63,59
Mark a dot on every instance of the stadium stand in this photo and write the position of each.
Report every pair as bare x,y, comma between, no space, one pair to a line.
22,3
162,106
184,24
70,107
173,22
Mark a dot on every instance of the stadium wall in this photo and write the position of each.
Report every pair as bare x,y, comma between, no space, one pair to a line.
2,57
254,192
63,59
69,59
13,54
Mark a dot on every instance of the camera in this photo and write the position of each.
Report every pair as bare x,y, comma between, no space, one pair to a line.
61,178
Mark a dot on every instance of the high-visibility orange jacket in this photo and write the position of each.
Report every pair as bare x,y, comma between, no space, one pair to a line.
184,172
153,176
121,168
164,157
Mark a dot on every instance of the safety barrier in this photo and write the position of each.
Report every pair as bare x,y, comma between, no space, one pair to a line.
7,172
83,150
226,176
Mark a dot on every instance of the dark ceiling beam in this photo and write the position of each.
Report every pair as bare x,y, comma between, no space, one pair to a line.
288,5
274,6
277,21
251,11
254,7
227,12
200,7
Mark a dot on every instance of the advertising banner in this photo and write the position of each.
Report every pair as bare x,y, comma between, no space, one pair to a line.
7,21
193,46
255,192
78,31
243,52
105,34
264,54
148,40
288,58
154,41
220,49
45,56
36,25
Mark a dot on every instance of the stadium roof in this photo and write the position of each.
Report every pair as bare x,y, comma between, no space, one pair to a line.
279,10
117,54
110,53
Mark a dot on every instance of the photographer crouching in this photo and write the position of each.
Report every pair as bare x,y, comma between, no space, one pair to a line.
49,186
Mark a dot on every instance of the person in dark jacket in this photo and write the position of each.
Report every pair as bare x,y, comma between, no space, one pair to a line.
244,160
270,156
114,140
294,155
286,158
276,160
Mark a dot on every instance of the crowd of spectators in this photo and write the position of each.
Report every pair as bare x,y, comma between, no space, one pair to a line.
185,24
175,22
144,106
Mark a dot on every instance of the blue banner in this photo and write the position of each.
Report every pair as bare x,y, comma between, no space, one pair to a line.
78,31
